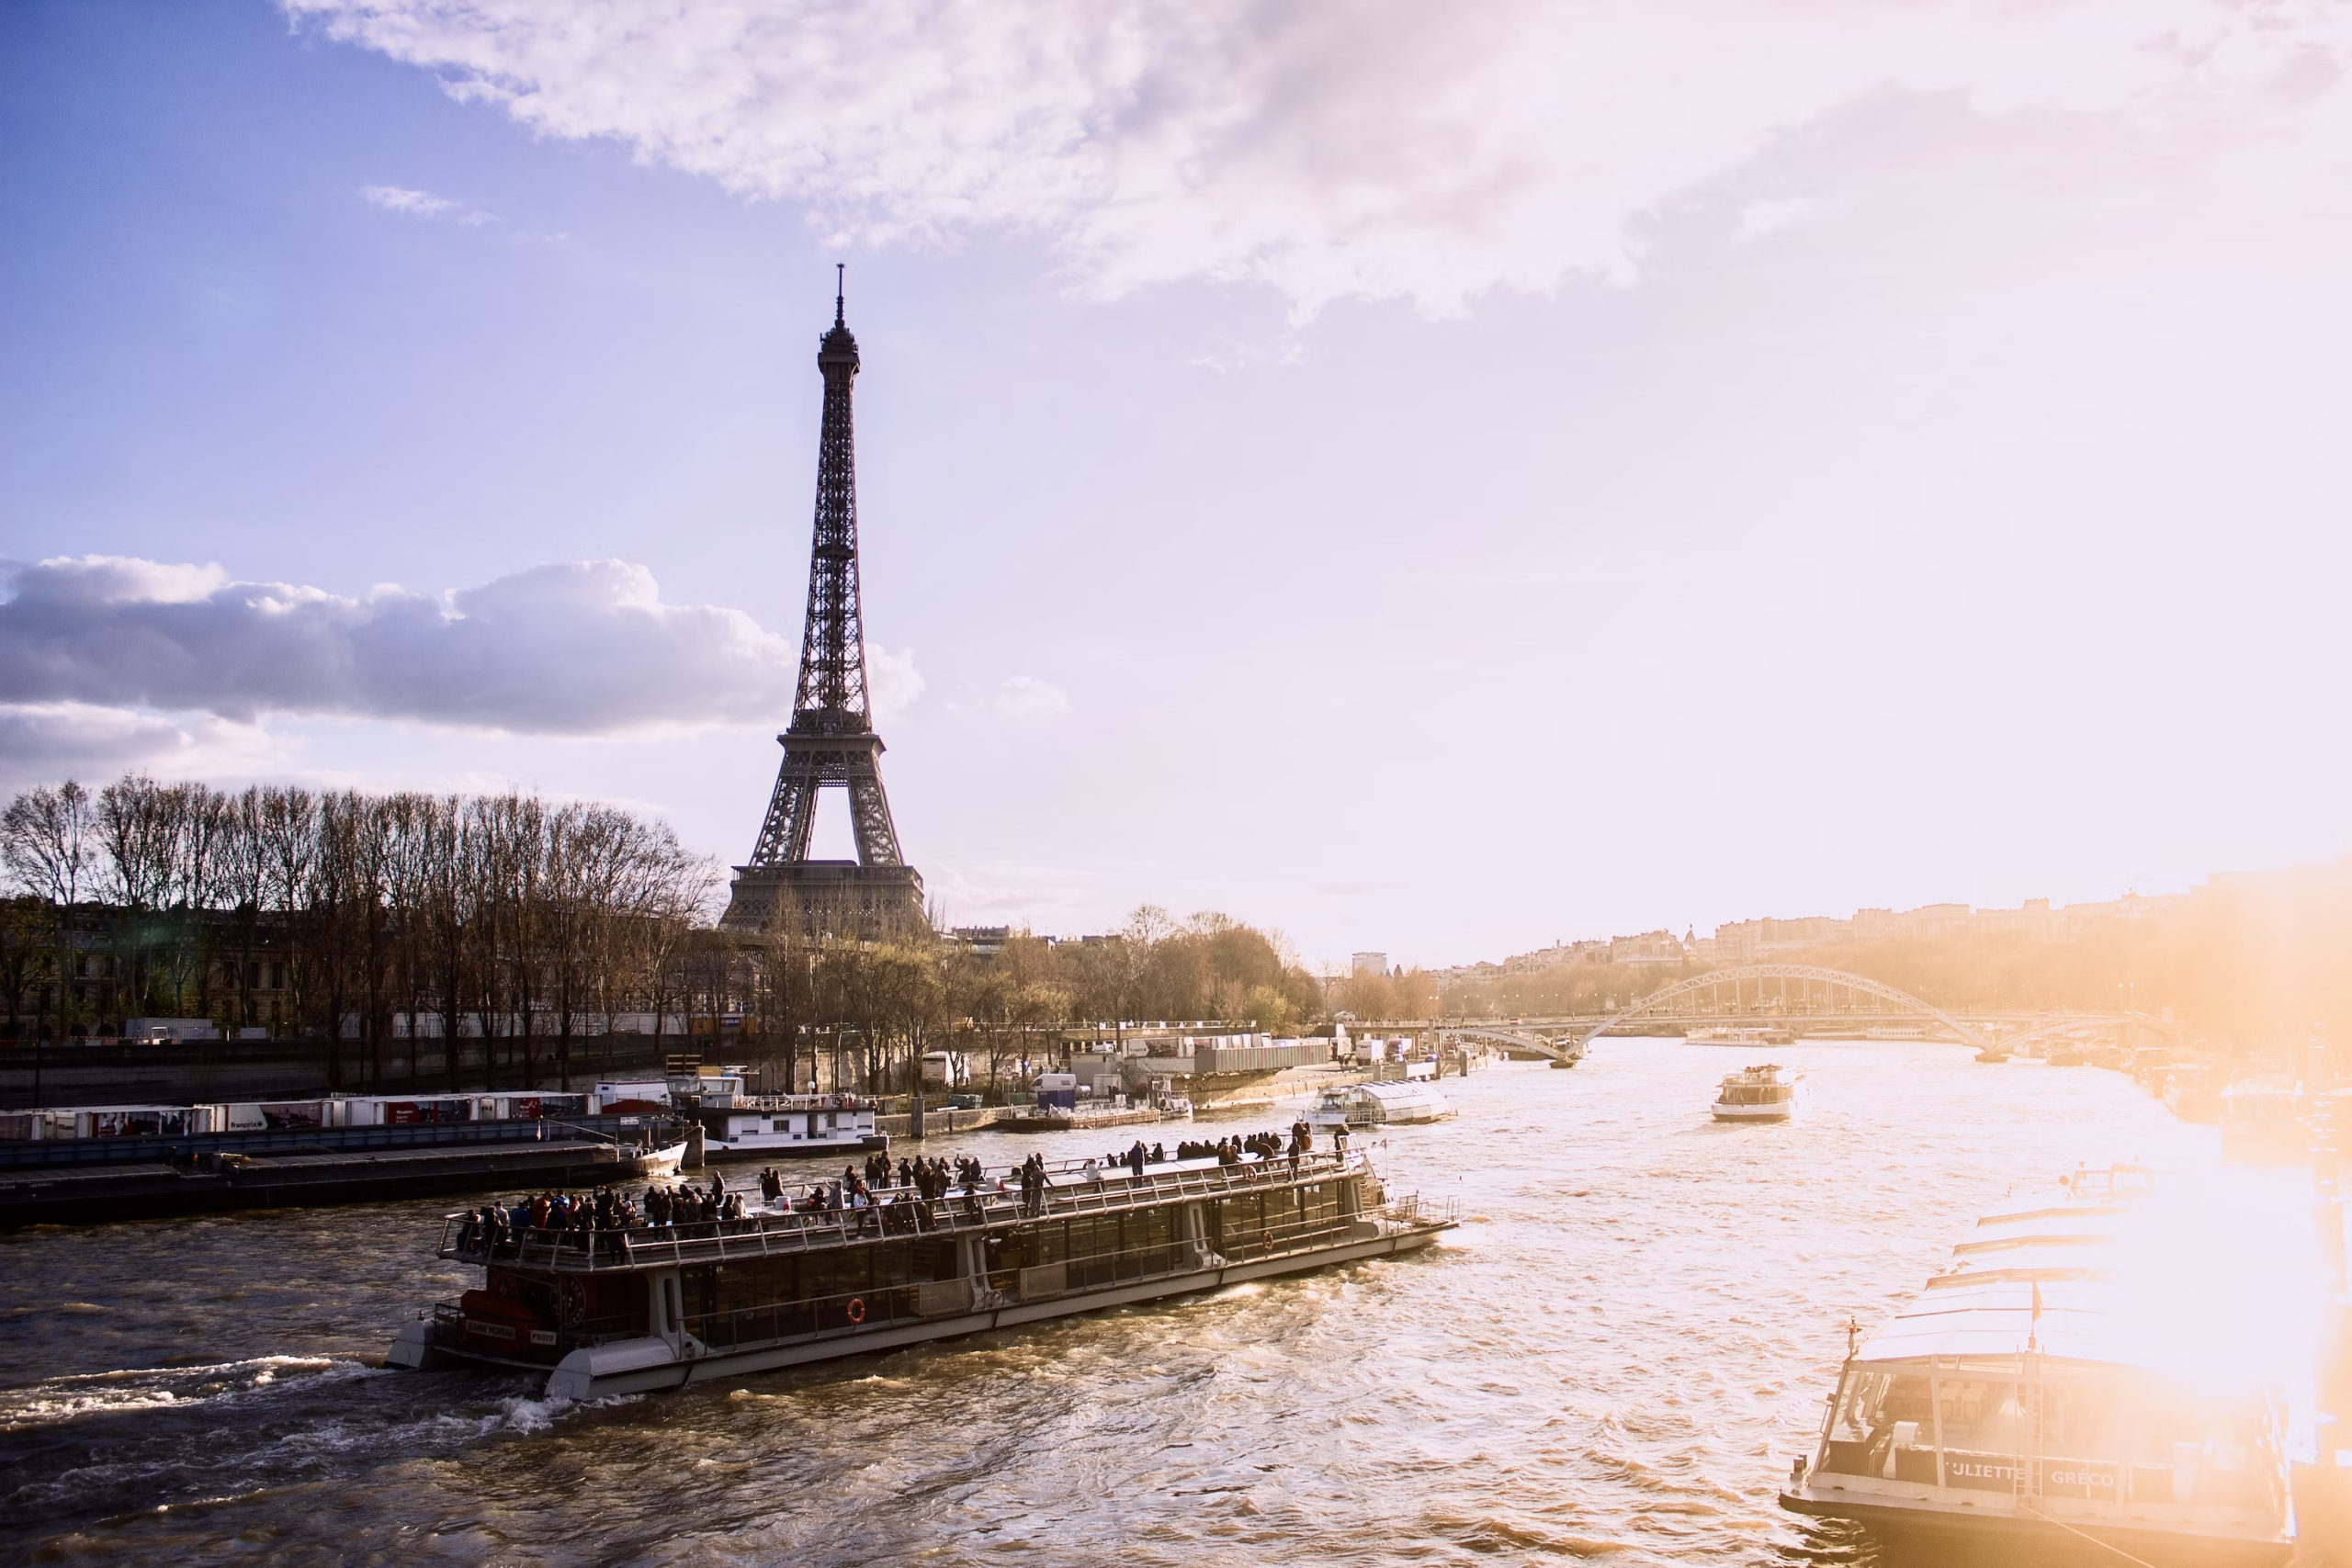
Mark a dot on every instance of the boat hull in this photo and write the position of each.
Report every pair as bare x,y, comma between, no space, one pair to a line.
1754,1112
643,1366
2001,1534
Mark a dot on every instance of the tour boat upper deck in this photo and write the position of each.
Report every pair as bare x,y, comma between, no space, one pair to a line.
630,1307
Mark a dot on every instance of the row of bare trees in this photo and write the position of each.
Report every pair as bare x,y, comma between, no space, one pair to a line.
477,938
504,924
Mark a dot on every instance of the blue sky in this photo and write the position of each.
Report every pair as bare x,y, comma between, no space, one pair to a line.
1440,490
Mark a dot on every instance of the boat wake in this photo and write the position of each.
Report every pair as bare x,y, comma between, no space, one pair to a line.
55,1399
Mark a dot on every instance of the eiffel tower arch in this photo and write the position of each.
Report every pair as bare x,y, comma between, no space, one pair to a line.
831,743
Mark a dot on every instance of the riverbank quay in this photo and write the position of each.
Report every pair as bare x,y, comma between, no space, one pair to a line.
1030,1119
1255,1093
939,1122
85,1181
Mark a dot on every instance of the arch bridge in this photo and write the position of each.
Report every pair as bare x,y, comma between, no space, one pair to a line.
1755,994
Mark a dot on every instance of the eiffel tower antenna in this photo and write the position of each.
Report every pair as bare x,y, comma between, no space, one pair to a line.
831,742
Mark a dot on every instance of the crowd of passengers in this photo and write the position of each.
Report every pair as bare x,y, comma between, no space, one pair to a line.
493,1227
1259,1145
878,1197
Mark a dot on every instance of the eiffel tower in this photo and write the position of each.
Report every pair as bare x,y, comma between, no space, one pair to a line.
832,740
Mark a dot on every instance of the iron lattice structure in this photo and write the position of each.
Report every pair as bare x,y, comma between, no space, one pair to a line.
831,742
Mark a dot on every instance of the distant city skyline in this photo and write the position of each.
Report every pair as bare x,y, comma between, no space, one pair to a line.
1408,484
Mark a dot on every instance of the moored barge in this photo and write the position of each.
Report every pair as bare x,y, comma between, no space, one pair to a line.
788,1126
623,1311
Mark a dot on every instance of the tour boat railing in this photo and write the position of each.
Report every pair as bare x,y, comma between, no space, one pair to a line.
901,1213
1016,1277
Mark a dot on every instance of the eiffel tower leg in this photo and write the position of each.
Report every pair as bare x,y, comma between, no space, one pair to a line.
804,817
792,813
869,813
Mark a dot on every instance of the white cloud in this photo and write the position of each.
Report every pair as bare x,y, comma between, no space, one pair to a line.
1026,697
892,682
1759,219
580,649
423,204
1382,148
43,742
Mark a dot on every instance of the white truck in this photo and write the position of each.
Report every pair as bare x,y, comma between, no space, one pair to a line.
946,1069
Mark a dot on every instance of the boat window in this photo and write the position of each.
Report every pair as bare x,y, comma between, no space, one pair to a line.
1151,1239
1872,1408
1981,1414
1093,1250
1049,1242
698,1288
893,1263
755,1284
1242,1220
838,1273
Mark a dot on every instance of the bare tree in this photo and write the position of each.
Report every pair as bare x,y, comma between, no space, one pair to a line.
49,841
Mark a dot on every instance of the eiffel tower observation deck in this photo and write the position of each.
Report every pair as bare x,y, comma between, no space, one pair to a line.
831,743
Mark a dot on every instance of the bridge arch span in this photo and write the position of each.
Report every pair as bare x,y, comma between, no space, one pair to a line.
1904,1002
1569,1050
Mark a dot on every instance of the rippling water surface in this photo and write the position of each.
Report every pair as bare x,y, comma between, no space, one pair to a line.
1616,1355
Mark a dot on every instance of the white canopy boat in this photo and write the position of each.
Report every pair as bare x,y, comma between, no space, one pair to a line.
1769,1093
2024,1399
1381,1105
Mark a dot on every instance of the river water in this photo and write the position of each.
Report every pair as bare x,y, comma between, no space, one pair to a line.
1616,1355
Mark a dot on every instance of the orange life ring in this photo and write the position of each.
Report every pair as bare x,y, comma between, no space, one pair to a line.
856,1310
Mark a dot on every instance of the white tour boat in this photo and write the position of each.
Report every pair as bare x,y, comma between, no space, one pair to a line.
2012,1405
1381,1105
1769,1093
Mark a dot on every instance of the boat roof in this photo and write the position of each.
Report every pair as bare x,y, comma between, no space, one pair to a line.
1418,1088
2040,1271
2043,1227
1994,1316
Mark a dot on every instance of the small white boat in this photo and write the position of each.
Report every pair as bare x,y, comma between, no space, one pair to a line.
1721,1035
664,1161
1769,1093
1381,1105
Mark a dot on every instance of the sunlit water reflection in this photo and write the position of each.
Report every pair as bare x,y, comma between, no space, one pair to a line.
1617,1354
